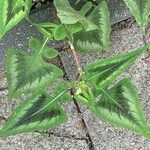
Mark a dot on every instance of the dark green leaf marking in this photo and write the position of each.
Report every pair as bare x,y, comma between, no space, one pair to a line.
95,40
28,118
39,112
121,107
103,72
124,109
141,11
12,12
28,72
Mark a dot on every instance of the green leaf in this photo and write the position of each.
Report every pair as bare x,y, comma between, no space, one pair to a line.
87,42
66,97
12,12
28,72
102,73
84,94
101,17
74,28
39,112
36,45
46,28
95,40
141,11
68,15
86,8
120,106
62,31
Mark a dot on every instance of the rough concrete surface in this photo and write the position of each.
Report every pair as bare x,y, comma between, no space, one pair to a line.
2,79
37,142
106,137
67,136
70,136
74,135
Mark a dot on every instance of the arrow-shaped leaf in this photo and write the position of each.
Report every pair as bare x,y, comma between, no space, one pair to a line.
28,72
68,15
120,106
46,28
140,10
95,40
62,31
103,72
39,112
11,12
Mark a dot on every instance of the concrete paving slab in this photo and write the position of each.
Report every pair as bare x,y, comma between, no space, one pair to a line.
67,144
72,127
69,133
106,137
31,142
18,38
35,141
103,136
2,79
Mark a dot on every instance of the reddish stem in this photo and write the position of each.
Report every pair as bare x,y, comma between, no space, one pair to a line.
145,41
76,58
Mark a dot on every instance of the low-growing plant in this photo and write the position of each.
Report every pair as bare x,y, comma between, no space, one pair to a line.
87,31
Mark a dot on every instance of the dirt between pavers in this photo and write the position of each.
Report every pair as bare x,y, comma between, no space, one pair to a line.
2,80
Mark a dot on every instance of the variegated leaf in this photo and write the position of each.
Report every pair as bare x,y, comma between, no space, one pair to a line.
140,10
46,28
101,73
11,12
68,15
120,106
39,112
63,31
95,40
28,72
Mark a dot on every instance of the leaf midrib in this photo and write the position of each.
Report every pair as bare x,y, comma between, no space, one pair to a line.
55,98
118,64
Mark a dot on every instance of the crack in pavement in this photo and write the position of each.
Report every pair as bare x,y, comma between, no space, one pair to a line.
2,118
81,118
3,88
2,79
82,122
89,139
68,136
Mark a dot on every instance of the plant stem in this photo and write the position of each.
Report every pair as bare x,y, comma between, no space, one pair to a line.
76,58
79,68
145,41
43,46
